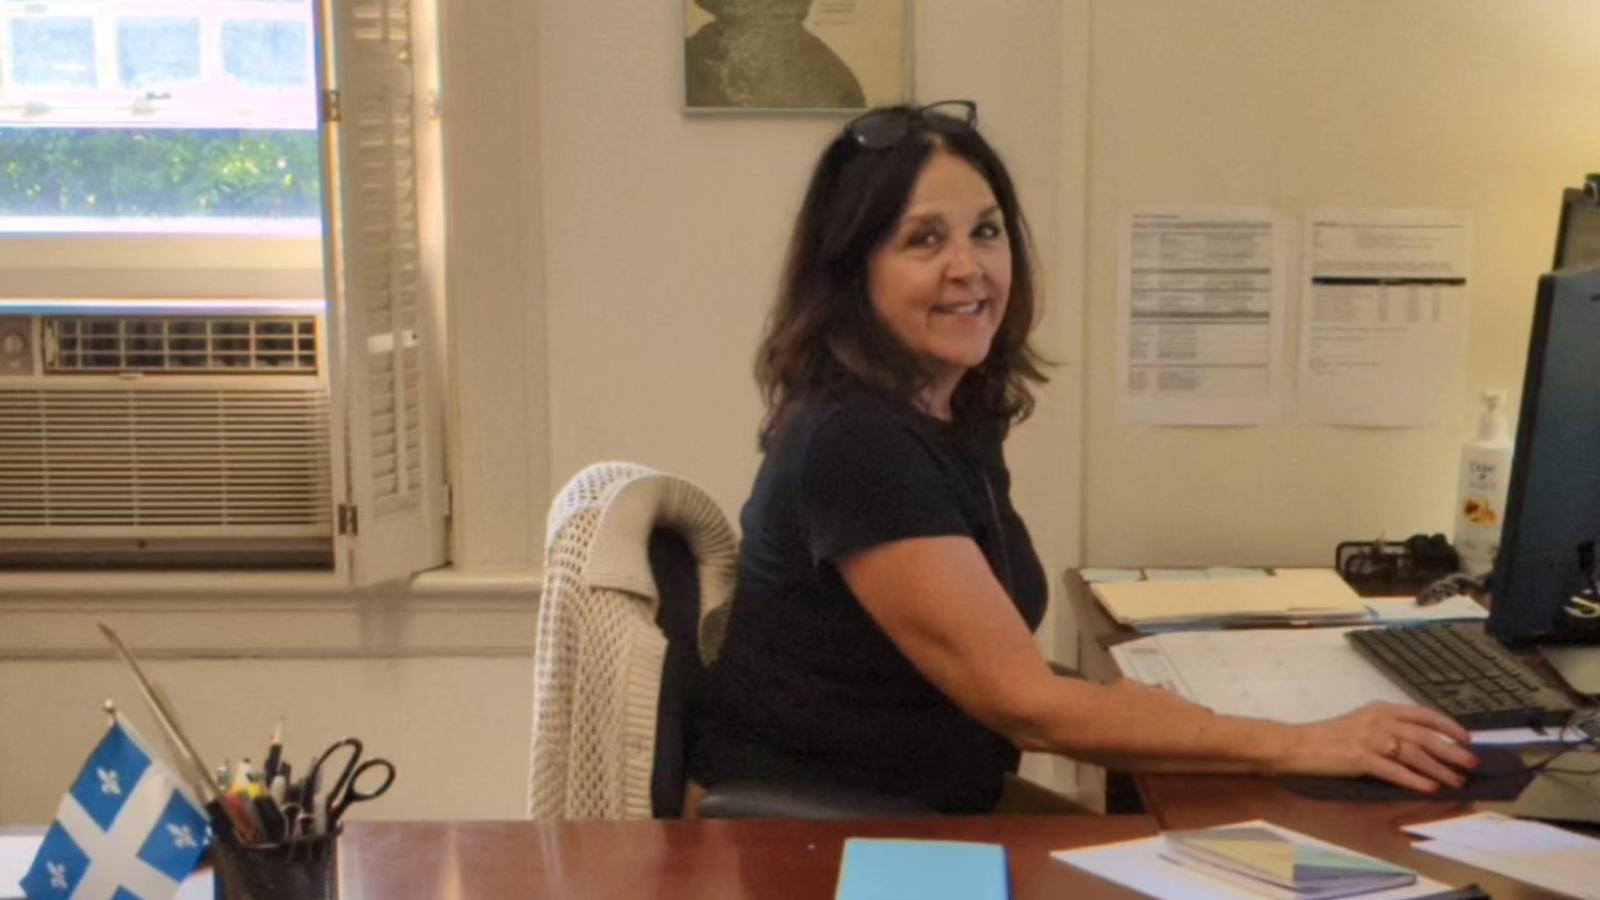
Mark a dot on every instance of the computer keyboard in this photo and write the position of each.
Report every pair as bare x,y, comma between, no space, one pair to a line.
1458,669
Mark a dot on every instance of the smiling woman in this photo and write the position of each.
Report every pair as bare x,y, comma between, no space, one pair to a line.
895,361
941,282
879,639
877,232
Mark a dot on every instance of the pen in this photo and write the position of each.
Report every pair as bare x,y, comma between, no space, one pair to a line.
221,822
272,821
255,787
313,784
245,780
304,824
247,822
274,752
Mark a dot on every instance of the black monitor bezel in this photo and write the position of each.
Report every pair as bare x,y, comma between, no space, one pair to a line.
1517,616
1575,201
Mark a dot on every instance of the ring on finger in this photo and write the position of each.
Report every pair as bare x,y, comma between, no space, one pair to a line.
1393,751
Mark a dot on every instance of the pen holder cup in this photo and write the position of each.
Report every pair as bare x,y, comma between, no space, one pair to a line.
304,870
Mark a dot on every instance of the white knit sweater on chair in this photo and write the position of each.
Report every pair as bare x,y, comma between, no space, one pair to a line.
597,652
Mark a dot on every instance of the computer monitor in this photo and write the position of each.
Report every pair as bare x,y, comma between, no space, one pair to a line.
1578,238
1548,540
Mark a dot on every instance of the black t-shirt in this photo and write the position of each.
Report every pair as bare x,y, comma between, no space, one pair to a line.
807,687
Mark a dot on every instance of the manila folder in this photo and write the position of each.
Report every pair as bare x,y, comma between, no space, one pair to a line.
1298,594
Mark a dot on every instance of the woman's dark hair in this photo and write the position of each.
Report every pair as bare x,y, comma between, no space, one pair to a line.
823,337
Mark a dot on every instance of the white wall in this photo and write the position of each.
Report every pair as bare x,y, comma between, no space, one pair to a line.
458,745
494,222
439,684
1474,105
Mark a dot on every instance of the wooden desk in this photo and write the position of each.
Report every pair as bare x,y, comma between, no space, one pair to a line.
704,860
797,860
1199,801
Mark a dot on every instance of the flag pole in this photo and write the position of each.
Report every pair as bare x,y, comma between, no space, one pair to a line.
199,776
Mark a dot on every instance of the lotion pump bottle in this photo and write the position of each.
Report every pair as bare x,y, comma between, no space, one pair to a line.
1481,498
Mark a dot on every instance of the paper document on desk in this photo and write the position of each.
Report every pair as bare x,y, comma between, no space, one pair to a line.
1142,865
1391,610
1093,575
1291,675
1299,595
1284,674
1539,854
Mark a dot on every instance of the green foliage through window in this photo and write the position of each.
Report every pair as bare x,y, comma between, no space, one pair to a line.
120,172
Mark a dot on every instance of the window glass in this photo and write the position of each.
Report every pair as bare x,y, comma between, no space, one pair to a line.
267,53
157,51
205,118
53,52
158,173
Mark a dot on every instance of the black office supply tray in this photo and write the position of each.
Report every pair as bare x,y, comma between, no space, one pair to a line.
1388,568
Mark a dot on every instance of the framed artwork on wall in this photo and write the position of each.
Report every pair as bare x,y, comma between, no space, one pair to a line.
795,55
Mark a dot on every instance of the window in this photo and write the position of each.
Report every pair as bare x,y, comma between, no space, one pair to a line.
174,389
140,116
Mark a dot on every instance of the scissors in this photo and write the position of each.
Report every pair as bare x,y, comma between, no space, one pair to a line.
347,788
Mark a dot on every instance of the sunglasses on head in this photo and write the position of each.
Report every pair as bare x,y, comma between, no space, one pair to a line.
883,128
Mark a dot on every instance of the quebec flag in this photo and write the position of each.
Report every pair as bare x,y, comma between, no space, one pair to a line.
124,831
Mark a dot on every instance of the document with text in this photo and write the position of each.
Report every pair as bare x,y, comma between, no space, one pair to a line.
1533,852
1383,318
1200,333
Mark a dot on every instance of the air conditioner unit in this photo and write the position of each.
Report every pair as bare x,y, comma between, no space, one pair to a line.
176,439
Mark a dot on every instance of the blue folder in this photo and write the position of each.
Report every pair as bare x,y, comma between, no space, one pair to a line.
894,869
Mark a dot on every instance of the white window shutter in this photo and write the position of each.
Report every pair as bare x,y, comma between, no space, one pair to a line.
387,382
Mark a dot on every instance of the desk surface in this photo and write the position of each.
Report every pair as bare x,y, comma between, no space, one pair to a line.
705,860
797,860
1198,801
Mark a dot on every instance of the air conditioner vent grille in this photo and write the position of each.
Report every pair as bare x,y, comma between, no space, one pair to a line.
186,345
233,462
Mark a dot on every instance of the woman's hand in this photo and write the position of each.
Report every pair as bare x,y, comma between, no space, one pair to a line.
1411,746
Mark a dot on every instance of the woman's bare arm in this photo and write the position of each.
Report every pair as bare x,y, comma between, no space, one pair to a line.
937,599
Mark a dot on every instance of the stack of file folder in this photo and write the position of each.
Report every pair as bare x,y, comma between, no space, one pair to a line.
1270,863
1317,596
